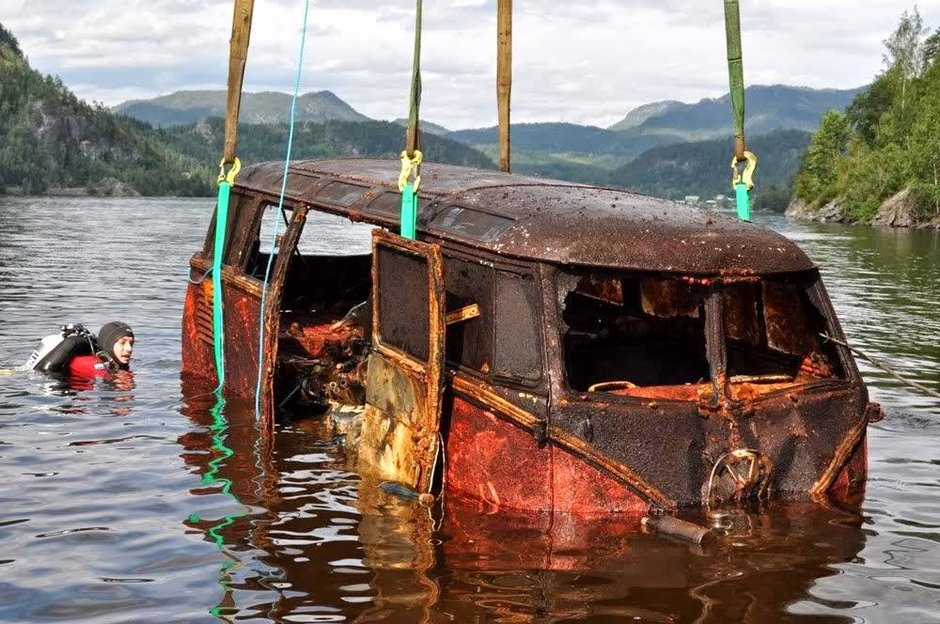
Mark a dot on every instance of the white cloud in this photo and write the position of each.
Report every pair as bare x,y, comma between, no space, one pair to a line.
583,62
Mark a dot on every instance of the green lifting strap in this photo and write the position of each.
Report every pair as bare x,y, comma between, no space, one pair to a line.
735,71
415,99
742,198
742,181
409,212
218,327
411,156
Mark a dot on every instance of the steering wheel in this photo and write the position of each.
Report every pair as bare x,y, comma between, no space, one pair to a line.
608,386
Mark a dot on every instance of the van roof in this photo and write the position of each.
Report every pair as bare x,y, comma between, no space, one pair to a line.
537,218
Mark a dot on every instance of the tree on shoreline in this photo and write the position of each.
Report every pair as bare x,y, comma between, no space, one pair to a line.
889,138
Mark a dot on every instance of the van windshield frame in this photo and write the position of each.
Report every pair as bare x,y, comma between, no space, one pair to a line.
682,337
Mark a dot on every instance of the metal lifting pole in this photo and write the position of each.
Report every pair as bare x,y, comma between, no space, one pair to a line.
504,77
238,55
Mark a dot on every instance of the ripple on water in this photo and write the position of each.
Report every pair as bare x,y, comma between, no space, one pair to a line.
121,506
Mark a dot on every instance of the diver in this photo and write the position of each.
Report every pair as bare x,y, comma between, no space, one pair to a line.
78,352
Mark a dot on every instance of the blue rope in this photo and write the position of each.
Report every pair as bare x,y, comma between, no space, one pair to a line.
280,208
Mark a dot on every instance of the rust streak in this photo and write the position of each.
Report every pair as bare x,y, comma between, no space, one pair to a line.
475,391
842,454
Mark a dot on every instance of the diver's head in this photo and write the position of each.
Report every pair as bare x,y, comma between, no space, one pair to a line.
117,340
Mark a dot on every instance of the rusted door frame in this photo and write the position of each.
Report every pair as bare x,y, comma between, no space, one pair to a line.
272,310
430,374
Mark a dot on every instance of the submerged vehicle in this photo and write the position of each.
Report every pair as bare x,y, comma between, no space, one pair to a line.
541,345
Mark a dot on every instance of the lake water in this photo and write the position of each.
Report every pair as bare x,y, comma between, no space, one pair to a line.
135,501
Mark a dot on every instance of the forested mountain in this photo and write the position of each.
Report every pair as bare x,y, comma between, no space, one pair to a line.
49,139
561,138
768,108
189,107
704,167
881,159
662,123
671,148
369,139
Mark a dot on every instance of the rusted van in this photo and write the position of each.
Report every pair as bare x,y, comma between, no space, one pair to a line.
541,345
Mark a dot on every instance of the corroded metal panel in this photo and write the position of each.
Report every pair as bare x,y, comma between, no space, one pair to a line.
197,356
391,428
495,461
808,435
848,488
272,314
241,298
241,315
499,462
401,422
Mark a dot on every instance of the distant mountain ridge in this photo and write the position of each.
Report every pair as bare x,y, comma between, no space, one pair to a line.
702,167
53,140
767,108
187,107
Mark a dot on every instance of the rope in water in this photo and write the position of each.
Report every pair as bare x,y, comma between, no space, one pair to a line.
280,208
884,367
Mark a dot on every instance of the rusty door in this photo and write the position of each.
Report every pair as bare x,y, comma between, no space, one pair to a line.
286,248
405,371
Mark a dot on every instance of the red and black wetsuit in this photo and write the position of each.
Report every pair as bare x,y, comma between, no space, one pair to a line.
88,366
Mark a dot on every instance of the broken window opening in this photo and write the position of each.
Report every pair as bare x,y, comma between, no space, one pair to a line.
403,301
265,243
772,333
633,330
469,344
326,313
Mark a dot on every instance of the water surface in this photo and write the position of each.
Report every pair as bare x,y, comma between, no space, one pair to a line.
136,501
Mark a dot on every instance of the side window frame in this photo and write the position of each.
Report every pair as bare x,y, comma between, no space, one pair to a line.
535,300
496,266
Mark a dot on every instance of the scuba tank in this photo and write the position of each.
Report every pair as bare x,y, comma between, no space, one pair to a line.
54,352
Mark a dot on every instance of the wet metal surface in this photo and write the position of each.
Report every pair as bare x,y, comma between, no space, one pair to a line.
122,504
545,219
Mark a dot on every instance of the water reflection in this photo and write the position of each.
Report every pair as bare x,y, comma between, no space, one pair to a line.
547,568
305,540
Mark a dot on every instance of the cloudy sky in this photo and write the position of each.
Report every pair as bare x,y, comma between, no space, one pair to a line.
586,61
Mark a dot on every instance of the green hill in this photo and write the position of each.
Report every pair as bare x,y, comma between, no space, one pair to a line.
49,140
368,139
187,107
768,108
880,161
703,168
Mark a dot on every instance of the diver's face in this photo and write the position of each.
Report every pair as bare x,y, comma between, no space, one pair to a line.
123,349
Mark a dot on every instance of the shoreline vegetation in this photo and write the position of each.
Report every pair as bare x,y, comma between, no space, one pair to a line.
879,162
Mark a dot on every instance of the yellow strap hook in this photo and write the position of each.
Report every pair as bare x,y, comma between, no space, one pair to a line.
747,175
409,166
230,175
